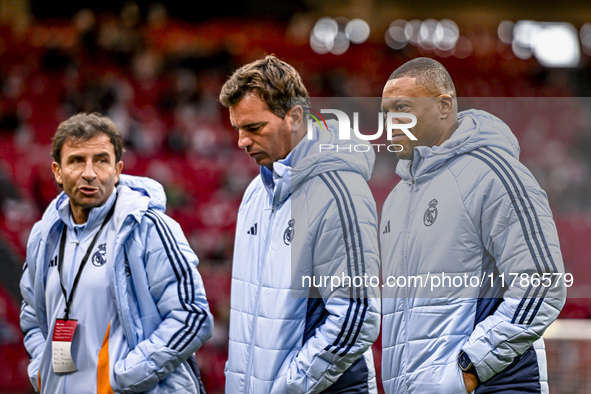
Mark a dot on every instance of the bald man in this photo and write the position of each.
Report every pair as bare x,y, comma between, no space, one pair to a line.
465,209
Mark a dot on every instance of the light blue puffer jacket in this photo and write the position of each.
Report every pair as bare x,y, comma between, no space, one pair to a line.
468,207
159,293
314,215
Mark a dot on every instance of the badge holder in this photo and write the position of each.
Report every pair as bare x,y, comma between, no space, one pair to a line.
61,346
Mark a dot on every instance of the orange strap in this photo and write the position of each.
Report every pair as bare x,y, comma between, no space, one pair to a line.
103,384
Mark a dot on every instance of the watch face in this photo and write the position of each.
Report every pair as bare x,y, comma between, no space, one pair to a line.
464,361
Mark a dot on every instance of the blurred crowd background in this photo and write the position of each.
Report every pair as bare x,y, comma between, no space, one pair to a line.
157,68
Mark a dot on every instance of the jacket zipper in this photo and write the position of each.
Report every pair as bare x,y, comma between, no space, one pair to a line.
256,307
119,289
405,273
119,245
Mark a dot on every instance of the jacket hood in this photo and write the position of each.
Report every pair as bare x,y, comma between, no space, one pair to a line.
476,129
309,161
135,196
148,188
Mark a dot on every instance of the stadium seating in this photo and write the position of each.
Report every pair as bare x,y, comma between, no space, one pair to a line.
160,85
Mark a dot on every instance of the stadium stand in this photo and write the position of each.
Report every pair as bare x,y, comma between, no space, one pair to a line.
159,80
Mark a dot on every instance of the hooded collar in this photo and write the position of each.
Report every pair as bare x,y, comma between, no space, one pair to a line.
325,152
136,195
310,158
95,216
270,178
476,129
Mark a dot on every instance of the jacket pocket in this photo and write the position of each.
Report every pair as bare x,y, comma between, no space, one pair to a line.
438,379
461,379
178,382
279,385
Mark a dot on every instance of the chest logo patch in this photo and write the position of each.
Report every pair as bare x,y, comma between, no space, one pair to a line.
431,213
99,257
289,232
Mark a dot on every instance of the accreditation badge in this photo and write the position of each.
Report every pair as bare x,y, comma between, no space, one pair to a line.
61,345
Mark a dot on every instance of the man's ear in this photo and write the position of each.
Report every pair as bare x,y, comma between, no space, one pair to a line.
118,169
296,114
446,104
57,172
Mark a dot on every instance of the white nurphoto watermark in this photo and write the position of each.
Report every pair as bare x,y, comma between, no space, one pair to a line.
442,280
345,130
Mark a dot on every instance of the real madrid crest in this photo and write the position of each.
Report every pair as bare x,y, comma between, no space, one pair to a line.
289,232
431,213
99,257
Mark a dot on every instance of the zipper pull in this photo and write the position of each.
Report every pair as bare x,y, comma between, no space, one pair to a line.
273,209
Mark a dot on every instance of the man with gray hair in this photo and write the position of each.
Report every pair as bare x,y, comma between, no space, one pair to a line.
465,208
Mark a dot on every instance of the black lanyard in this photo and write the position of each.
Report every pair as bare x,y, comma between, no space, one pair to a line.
82,264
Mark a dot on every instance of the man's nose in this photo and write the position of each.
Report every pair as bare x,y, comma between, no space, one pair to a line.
244,140
89,173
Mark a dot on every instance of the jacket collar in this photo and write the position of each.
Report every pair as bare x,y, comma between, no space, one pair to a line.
476,129
278,182
95,217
